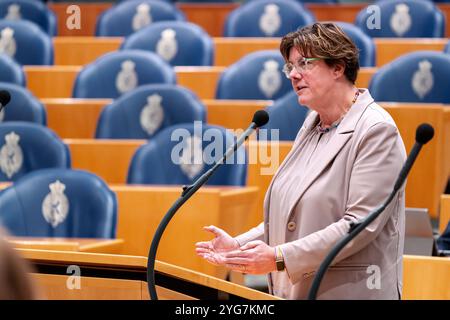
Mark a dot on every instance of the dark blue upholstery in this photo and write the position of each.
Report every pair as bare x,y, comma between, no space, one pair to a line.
365,44
402,18
267,18
26,147
23,106
35,205
286,115
443,241
186,45
420,76
118,20
31,10
32,45
11,71
158,161
145,111
257,75
99,78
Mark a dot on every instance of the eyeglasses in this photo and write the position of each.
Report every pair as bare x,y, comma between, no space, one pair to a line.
304,64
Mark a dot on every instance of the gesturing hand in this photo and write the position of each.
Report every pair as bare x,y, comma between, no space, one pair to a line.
255,257
212,250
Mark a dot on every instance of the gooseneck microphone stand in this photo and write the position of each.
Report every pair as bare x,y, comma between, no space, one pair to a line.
260,118
424,133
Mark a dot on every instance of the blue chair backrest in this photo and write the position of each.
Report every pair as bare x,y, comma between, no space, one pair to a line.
267,18
402,18
26,147
129,16
420,76
365,44
11,71
59,203
257,75
145,111
25,42
181,153
23,106
116,73
443,241
31,10
286,116
179,43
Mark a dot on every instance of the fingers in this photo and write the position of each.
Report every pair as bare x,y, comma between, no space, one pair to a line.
204,244
202,251
216,231
236,261
252,244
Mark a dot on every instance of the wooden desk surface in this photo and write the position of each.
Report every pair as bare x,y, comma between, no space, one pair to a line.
423,277
141,209
121,265
210,16
77,118
67,244
78,51
58,81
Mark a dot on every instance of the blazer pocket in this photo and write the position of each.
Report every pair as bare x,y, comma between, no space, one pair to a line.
350,267
341,267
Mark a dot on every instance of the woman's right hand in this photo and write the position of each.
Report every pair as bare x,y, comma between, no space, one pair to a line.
212,250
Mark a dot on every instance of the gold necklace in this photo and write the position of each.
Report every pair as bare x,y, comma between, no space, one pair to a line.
336,123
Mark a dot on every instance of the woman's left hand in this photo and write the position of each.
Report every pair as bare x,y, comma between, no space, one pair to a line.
255,257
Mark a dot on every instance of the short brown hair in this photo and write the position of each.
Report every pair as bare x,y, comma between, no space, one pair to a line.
324,40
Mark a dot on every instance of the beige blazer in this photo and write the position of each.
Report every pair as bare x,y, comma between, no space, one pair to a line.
354,175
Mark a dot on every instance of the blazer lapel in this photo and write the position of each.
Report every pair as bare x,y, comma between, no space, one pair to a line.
309,124
343,134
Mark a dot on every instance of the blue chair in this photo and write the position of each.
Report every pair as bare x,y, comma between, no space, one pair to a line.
24,106
402,18
181,153
267,18
26,147
11,71
257,75
118,72
25,42
129,16
59,203
287,116
179,43
31,10
365,44
416,77
145,111
443,241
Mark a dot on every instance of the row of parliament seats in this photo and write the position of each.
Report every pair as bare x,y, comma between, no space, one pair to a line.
252,18
96,107
96,155
24,42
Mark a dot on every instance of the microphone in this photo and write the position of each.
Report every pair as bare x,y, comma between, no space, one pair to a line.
5,97
424,133
260,118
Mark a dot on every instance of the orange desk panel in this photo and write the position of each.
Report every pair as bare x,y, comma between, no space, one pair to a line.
58,81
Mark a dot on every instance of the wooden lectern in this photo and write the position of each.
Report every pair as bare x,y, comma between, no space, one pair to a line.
79,275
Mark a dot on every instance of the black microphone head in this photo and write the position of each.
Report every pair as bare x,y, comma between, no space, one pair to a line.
260,118
424,133
5,97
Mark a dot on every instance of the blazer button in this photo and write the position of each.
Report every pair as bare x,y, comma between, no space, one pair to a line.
291,226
